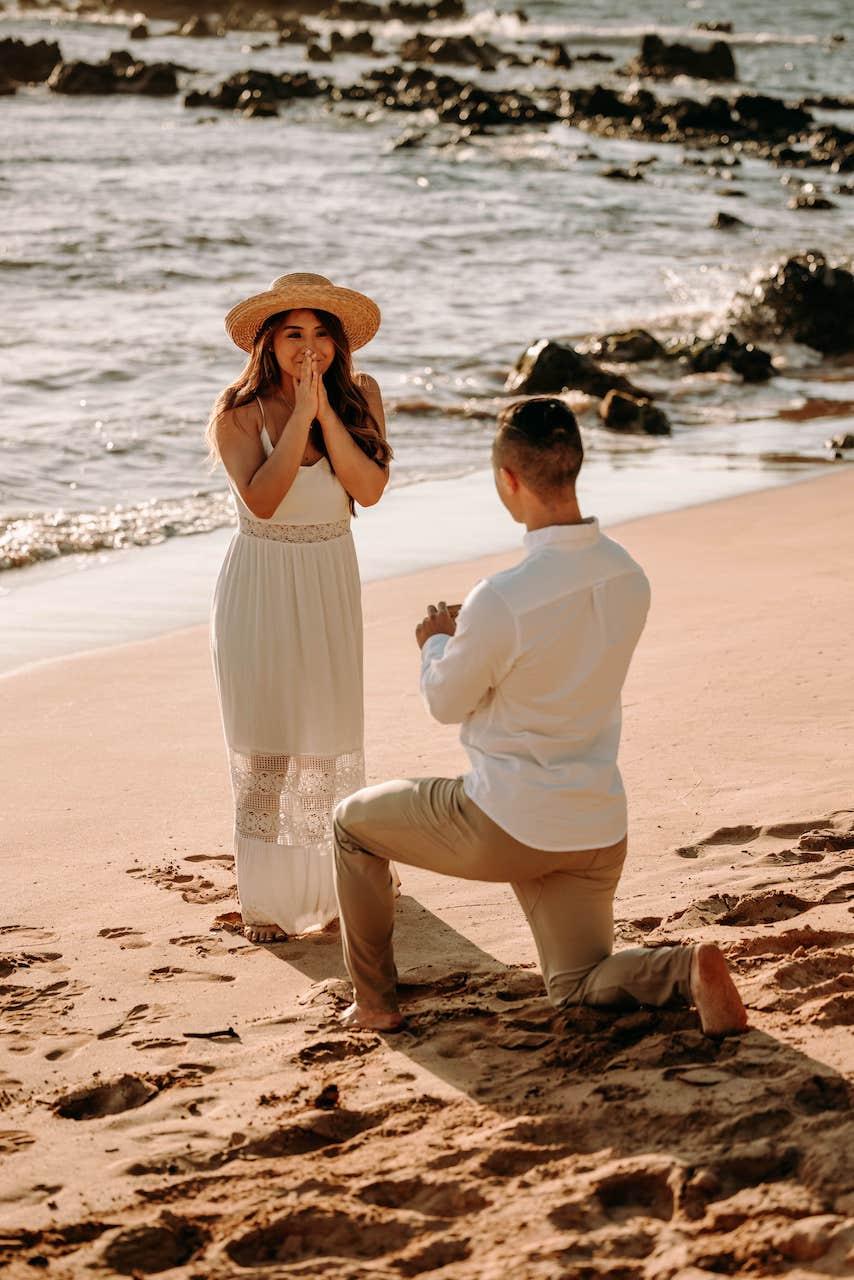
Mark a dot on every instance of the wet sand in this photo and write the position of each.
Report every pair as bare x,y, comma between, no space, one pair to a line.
494,1137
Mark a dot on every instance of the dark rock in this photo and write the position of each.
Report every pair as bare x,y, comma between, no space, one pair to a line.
7,86
803,299
296,32
810,198
594,56
198,27
453,101
256,108
749,362
726,221
547,368
28,63
719,28
768,117
462,51
558,57
623,175
84,78
630,347
656,58
157,79
834,147
139,32
261,85
361,42
315,53
829,102
599,103
621,412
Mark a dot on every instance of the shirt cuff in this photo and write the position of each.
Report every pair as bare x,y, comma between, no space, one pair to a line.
432,649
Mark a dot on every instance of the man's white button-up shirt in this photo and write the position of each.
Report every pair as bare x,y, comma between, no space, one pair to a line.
534,674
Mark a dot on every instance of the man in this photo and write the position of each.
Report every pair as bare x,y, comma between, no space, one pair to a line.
532,667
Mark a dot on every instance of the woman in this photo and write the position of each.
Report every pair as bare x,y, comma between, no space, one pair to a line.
302,439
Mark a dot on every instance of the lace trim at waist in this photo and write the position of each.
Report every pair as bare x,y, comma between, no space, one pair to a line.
293,532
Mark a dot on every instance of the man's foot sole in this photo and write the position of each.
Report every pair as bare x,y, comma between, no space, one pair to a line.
714,993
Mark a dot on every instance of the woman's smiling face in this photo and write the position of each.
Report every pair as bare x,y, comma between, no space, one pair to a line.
302,331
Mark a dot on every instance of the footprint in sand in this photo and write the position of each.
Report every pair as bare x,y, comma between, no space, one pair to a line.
203,944
171,1242
446,1199
223,859
68,1047
817,836
132,1022
38,1008
170,973
645,1191
312,1232
25,935
792,941
110,1098
192,888
128,939
14,1140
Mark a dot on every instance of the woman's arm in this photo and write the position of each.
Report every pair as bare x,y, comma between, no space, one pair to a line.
363,478
263,482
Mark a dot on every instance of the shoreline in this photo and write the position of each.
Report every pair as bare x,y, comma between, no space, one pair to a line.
82,603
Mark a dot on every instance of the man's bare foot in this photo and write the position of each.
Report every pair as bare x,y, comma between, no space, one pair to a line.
264,933
355,1018
714,993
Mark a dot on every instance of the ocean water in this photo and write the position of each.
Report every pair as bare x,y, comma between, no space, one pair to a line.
131,225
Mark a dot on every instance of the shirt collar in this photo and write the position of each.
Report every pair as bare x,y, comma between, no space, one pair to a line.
570,536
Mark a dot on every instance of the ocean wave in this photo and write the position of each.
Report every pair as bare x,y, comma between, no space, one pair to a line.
26,540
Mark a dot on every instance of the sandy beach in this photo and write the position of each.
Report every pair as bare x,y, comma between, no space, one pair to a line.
494,1137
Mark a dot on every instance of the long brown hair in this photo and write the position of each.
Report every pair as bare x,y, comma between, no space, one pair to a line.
262,373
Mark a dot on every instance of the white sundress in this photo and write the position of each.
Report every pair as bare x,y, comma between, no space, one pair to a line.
286,637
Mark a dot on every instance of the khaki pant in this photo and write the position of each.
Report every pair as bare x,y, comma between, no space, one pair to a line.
567,897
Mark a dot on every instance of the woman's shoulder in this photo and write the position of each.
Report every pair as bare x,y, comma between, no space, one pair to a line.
366,382
245,418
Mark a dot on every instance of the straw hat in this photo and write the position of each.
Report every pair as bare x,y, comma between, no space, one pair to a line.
358,314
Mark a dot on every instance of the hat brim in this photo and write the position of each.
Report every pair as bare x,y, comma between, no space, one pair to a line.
359,315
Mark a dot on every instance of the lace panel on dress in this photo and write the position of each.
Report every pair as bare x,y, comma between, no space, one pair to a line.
294,532
289,800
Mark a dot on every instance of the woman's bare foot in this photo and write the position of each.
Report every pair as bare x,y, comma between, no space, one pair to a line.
714,993
264,933
356,1018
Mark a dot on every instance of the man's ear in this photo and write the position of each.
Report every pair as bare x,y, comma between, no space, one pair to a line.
509,481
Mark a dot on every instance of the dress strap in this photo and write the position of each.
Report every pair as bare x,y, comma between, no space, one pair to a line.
264,433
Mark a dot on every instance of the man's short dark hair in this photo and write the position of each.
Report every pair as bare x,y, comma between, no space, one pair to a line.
539,441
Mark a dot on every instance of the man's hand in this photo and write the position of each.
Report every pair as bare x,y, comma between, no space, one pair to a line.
441,620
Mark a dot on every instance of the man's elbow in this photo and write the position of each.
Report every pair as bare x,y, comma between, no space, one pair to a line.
443,709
